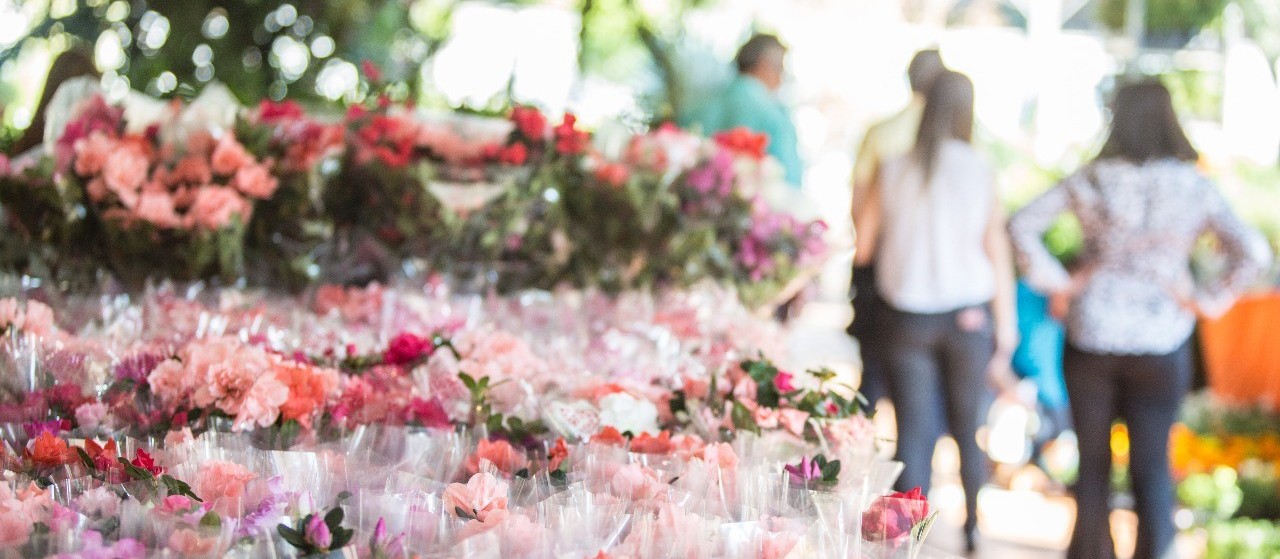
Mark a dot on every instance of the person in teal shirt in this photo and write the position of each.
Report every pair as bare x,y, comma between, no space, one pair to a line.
751,101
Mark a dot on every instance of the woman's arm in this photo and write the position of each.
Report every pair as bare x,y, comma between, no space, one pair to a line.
866,225
1248,255
1026,232
1003,306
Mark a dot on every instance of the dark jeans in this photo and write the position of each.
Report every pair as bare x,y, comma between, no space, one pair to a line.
868,327
1144,391
937,377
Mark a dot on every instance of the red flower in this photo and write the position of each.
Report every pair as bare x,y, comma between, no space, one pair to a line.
272,111
371,71
427,413
144,460
743,141
48,450
612,174
609,437
893,516
558,454
570,140
647,444
103,457
514,155
531,123
407,348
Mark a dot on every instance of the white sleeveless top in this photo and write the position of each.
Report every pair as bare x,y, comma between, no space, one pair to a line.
931,257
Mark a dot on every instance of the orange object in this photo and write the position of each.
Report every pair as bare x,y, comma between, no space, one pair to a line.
1242,352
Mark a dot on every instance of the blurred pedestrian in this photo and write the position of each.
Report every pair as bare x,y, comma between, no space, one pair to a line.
1131,305
889,138
934,226
751,101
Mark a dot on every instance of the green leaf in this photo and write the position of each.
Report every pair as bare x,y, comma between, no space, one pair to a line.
467,381
179,487
292,536
341,537
743,419
134,471
211,520
333,519
84,459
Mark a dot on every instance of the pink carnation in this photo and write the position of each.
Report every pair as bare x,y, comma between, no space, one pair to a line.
229,156
92,153
215,207
222,485
158,209
255,181
124,172
482,496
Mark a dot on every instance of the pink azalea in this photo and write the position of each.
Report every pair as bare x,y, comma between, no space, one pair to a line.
216,207
158,209
92,153
793,420
123,173
482,496
500,453
189,543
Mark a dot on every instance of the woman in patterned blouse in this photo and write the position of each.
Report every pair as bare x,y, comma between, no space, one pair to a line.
1131,306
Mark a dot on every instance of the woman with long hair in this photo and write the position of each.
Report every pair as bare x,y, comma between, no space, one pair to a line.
934,227
1131,303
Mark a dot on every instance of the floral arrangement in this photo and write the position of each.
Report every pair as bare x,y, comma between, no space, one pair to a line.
529,200
222,426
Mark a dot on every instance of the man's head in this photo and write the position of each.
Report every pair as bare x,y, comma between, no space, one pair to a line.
761,57
925,67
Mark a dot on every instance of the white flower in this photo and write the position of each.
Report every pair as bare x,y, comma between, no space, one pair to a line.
625,412
574,421
98,502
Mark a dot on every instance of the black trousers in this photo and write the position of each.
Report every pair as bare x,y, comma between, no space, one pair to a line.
937,378
868,327
1144,391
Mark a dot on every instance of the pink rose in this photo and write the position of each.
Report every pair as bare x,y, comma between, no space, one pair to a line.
124,172
228,156
784,382
215,207
92,153
222,486
255,181
157,209
482,496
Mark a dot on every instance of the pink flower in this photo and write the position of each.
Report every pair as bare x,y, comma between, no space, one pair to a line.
170,381
501,454
124,172
216,207
784,382
793,420
893,516
98,502
92,153
177,437
91,415
10,314
256,181
191,170
176,504
38,319
15,528
157,209
222,486
317,532
482,496
189,543
261,404
309,388
228,156
637,482
407,348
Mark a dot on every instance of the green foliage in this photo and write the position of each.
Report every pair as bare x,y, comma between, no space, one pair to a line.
1164,15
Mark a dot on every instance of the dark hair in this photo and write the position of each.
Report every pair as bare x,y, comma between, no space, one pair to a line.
754,51
925,67
948,115
1144,126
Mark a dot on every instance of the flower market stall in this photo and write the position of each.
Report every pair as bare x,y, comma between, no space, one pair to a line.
398,333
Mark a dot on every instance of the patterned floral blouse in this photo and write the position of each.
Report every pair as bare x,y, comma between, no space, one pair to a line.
1140,222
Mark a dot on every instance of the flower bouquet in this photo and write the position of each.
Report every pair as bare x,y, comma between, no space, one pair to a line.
169,208
896,525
